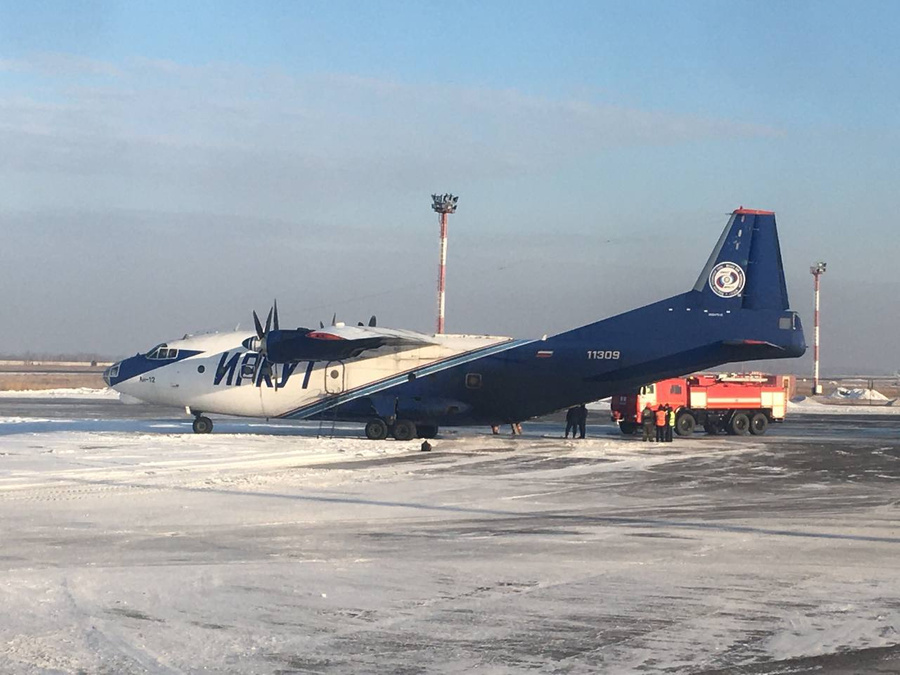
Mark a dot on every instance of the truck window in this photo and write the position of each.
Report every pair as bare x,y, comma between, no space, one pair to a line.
675,389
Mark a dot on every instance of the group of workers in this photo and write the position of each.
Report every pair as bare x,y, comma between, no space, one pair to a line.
663,418
576,419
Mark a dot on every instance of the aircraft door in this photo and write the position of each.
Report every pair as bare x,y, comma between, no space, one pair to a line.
334,377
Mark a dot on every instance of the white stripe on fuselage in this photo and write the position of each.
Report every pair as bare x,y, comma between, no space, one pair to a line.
190,382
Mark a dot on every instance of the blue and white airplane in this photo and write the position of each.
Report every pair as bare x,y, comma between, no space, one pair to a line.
406,384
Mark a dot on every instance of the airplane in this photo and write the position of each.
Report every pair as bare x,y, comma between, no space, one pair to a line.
406,384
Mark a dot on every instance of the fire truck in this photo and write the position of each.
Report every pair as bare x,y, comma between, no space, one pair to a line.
735,403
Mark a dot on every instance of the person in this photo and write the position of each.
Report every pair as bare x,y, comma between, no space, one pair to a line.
581,418
661,424
571,421
495,429
647,422
670,422
516,428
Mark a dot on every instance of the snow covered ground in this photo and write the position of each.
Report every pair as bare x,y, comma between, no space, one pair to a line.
78,392
811,406
131,545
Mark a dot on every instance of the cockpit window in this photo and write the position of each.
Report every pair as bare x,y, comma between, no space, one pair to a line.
162,353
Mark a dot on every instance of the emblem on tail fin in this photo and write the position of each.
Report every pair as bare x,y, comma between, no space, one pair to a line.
727,280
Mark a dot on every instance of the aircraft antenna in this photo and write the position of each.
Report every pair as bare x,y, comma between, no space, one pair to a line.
443,205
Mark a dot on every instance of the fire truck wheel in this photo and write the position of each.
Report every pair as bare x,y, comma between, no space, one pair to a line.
684,424
740,424
628,428
758,424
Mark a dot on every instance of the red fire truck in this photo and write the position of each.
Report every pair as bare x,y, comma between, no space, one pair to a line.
737,403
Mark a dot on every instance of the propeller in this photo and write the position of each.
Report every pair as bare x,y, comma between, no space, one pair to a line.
261,335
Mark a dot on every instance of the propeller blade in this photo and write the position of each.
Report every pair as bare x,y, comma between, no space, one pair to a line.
268,322
321,325
259,330
275,321
334,319
360,324
372,322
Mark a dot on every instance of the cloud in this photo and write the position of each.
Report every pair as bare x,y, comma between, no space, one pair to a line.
216,125
53,64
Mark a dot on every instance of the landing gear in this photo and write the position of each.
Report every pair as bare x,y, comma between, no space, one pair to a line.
426,430
628,428
404,430
202,425
376,430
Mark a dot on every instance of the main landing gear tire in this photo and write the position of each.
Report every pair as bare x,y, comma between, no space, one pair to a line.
426,430
202,425
739,425
684,424
758,424
404,430
376,430
628,428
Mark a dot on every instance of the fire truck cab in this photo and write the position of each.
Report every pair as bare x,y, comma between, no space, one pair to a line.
736,403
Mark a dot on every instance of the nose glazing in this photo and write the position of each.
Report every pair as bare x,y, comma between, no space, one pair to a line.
111,373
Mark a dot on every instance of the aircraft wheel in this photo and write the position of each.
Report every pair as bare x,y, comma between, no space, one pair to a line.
404,430
740,424
426,430
758,424
376,430
202,425
684,424
628,428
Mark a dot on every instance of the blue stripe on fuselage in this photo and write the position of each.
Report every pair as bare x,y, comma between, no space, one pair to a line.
399,378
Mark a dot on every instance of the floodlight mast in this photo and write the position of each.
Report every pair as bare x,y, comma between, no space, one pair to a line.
816,270
443,205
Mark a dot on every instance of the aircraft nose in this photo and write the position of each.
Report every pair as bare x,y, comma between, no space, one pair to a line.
111,374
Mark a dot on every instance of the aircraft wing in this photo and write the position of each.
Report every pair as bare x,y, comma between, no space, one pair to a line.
337,342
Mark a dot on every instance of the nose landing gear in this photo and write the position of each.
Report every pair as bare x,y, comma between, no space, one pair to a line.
202,425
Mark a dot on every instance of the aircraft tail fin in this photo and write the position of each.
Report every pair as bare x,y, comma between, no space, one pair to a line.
745,270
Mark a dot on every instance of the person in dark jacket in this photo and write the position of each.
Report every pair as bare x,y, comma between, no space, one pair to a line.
571,421
581,419
670,422
647,422
661,424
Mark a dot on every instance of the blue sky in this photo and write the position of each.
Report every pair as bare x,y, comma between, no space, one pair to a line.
171,166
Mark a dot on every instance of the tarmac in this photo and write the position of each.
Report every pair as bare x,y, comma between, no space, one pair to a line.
131,545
